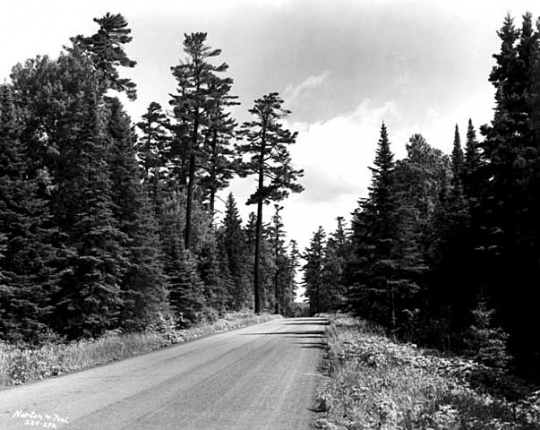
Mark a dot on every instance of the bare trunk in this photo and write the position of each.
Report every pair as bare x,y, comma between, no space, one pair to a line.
276,276
213,186
257,269
191,183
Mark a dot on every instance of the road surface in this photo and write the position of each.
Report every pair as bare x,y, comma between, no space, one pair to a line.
259,377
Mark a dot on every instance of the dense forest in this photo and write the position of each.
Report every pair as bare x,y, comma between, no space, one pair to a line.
106,224
445,248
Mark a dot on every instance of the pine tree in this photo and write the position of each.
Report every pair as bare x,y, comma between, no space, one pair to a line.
267,143
106,52
219,165
200,94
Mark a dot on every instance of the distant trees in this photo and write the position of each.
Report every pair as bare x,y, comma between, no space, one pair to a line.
313,271
233,247
325,278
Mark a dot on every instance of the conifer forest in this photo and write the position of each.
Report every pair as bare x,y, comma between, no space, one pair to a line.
109,224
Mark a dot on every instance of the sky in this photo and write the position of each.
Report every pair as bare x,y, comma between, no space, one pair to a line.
341,66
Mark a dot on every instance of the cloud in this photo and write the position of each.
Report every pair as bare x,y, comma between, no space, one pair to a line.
335,156
324,187
293,93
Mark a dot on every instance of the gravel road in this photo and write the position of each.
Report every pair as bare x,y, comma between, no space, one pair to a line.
259,377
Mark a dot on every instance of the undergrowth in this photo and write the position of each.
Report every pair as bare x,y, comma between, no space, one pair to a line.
372,382
21,363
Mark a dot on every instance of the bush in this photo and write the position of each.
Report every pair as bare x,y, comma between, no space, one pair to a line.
487,344
374,383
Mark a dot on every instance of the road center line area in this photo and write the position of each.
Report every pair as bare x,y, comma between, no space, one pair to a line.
258,377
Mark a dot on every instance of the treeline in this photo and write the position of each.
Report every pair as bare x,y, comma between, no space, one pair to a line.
445,248
106,224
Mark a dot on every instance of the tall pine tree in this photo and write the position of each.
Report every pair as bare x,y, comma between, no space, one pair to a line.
270,161
197,107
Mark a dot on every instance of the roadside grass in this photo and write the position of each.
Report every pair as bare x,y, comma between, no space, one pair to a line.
20,364
372,382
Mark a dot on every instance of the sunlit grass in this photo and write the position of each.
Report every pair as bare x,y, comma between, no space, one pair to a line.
374,383
20,364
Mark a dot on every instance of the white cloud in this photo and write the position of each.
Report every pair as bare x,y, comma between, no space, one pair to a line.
292,93
335,156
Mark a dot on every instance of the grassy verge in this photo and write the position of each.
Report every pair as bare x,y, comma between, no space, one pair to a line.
19,364
374,383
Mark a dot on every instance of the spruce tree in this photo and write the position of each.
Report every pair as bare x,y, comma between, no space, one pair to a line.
153,153
27,275
313,271
186,290
232,239
374,237
510,159
457,163
336,253
471,165
90,300
288,292
276,236
152,147
143,284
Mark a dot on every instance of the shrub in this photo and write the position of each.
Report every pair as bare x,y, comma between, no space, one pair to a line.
487,344
374,383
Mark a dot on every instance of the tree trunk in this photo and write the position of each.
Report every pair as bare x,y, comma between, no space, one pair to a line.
258,230
276,276
191,184
258,233
213,175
